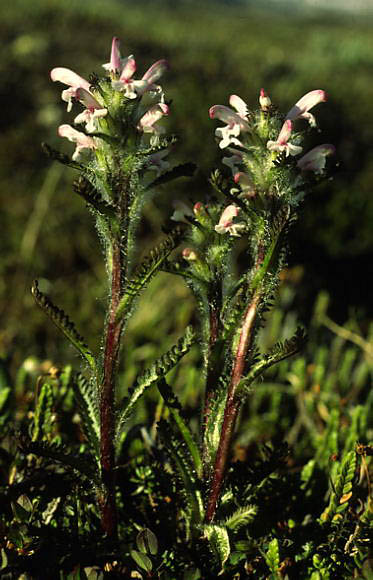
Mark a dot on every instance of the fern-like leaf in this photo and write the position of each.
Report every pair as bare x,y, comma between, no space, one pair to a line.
183,170
175,409
279,352
63,323
342,491
146,271
86,397
272,556
218,539
179,456
241,517
87,191
158,370
60,157
43,412
83,464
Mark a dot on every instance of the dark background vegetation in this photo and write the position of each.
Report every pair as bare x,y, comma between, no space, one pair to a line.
215,49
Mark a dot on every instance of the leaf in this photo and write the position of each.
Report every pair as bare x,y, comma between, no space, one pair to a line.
142,560
272,556
146,271
63,323
81,463
342,489
219,542
43,412
60,157
176,450
183,170
87,399
174,406
88,192
147,542
278,353
241,517
158,369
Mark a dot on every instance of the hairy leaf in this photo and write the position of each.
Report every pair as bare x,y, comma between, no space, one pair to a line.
342,489
219,541
87,399
183,170
63,323
279,352
81,463
87,191
146,271
158,369
175,409
241,517
179,456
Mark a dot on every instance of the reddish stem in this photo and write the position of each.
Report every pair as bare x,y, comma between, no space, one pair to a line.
232,406
107,401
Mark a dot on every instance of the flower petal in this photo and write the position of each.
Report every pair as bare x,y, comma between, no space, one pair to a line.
306,103
69,77
156,71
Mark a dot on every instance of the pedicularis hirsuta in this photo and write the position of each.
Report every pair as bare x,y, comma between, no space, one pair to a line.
232,250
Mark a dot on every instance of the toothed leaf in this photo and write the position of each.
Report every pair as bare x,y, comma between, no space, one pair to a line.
241,517
60,157
87,399
77,461
87,191
179,456
183,170
175,409
63,323
43,412
219,542
278,353
342,490
146,271
158,370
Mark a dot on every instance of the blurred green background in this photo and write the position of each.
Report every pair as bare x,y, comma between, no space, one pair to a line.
215,49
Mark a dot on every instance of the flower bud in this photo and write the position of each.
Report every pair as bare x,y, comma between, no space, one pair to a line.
264,100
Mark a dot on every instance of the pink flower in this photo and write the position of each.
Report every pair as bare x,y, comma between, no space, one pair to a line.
126,67
307,102
315,160
264,100
73,80
226,224
235,121
147,123
82,141
282,144
79,90
245,183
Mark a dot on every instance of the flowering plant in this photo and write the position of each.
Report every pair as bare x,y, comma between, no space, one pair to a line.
231,250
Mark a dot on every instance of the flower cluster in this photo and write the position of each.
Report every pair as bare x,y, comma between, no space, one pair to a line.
100,114
256,141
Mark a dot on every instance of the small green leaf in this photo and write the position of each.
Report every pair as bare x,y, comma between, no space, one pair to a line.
147,542
219,541
272,556
142,560
63,323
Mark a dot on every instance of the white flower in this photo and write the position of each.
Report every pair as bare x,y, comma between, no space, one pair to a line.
307,102
282,145
82,141
315,160
235,121
226,224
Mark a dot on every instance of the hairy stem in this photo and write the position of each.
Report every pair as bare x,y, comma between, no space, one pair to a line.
107,401
232,405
